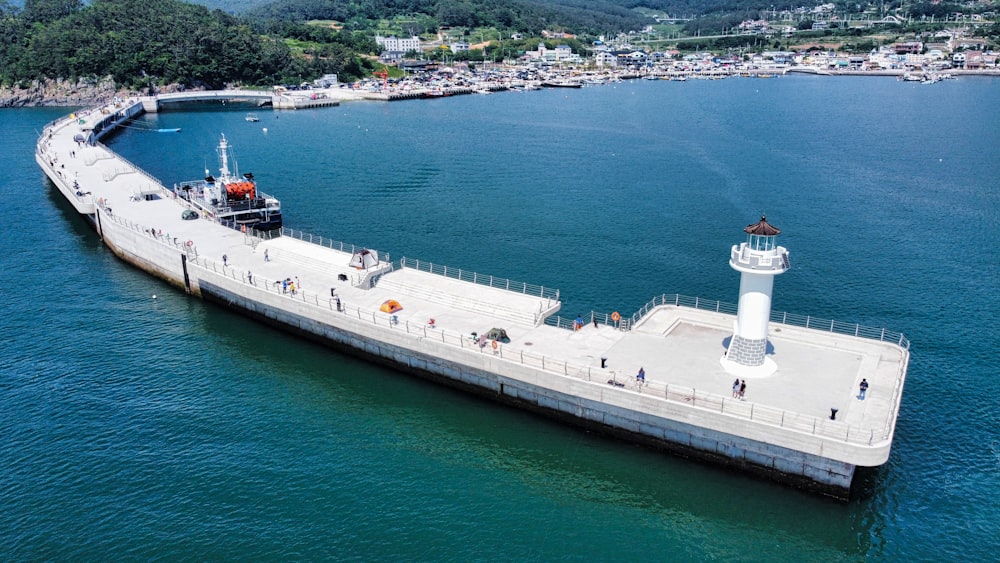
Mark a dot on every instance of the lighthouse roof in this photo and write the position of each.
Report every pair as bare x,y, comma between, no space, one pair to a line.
762,228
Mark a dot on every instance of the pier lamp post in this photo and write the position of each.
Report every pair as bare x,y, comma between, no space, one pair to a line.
758,260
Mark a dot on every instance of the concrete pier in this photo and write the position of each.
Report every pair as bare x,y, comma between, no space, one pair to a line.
277,100
585,375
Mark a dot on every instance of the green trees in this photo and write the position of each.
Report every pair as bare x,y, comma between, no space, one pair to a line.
142,42
45,11
528,16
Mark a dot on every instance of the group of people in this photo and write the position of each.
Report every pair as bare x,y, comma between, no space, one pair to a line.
739,389
290,286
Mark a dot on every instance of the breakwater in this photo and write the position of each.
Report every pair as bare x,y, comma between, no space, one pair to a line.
771,436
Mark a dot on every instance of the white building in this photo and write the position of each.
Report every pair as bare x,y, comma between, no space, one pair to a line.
394,43
605,59
561,54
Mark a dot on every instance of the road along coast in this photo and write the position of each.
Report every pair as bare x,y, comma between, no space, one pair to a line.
802,423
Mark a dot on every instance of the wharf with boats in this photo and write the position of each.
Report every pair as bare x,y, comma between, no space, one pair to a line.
661,376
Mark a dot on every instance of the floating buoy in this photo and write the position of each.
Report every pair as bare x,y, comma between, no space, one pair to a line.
154,296
265,130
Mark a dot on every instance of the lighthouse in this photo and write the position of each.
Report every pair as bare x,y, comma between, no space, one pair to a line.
758,260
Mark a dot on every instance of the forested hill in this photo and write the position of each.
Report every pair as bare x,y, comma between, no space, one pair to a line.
527,16
149,42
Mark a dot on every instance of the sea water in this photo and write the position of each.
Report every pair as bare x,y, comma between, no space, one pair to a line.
138,428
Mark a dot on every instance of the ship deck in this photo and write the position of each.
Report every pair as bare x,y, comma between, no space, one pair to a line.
679,347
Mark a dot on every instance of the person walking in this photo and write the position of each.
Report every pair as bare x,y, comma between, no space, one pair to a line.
225,260
736,388
864,389
743,389
266,257
641,376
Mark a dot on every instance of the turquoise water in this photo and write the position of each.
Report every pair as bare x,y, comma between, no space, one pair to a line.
139,429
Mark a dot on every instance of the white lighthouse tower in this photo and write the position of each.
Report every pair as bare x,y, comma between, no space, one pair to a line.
758,260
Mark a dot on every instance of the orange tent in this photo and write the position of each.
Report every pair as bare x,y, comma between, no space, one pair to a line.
391,306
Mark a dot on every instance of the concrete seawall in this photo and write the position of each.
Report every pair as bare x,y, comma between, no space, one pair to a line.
588,404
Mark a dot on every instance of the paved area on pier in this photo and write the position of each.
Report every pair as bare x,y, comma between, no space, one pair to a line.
677,346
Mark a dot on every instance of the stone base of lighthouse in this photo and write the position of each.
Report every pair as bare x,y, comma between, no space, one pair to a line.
748,358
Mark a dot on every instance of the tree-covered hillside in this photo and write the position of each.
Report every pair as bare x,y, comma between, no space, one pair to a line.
526,16
142,42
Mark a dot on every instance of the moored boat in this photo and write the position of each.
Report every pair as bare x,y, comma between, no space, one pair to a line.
562,84
233,199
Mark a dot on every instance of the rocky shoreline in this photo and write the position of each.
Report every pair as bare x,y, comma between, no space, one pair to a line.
81,92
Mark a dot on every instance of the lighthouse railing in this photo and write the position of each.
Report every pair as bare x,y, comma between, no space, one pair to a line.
840,327
779,317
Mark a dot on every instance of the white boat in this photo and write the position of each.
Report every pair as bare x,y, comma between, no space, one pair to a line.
232,199
252,117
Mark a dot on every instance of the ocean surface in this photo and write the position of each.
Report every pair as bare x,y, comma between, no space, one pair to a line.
137,429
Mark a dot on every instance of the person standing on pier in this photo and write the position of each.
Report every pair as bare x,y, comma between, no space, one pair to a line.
743,389
266,257
225,260
863,389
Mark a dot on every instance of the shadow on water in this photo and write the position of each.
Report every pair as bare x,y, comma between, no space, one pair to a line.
553,464
80,227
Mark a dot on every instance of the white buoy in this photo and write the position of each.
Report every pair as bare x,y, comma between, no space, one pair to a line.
154,296
265,130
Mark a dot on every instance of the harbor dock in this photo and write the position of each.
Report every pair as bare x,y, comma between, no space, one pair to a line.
801,423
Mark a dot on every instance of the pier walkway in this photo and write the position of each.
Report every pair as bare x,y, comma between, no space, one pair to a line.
678,345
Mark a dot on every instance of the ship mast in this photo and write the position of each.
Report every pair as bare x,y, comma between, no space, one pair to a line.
223,158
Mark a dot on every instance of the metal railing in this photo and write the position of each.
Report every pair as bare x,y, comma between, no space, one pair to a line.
626,383
163,238
789,319
590,318
481,279
329,243
132,168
